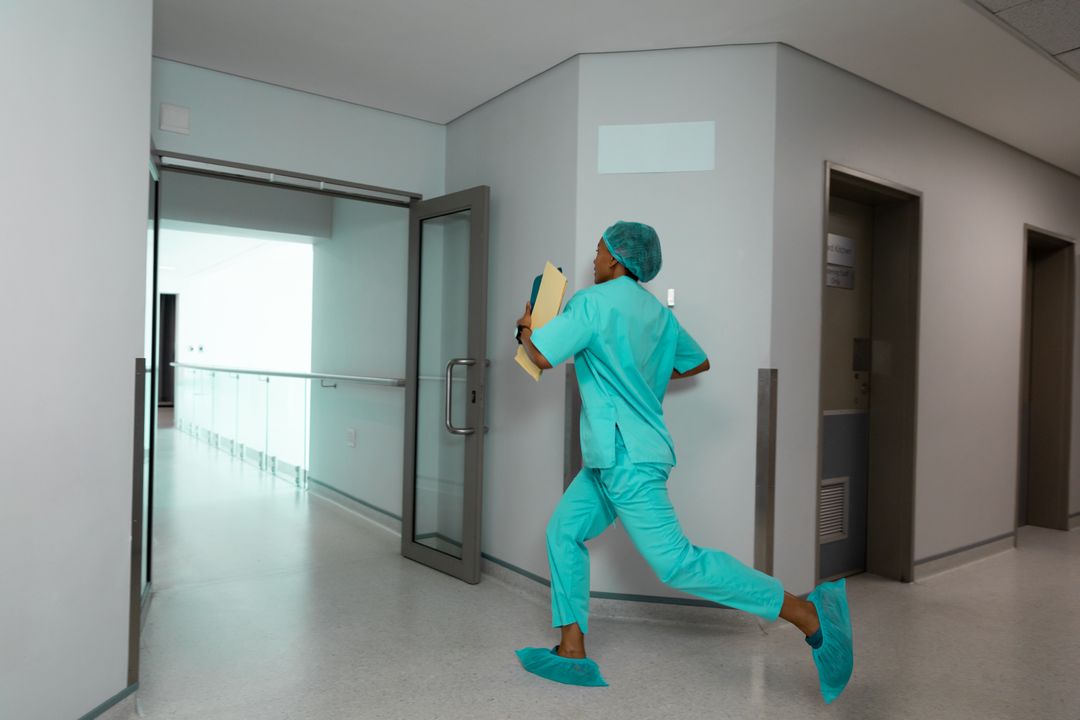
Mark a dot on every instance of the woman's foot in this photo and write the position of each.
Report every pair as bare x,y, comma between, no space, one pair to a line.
569,653
572,644
834,657
800,613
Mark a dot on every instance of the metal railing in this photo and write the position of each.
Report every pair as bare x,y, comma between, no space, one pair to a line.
259,416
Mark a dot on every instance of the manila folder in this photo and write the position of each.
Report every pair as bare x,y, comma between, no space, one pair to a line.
548,303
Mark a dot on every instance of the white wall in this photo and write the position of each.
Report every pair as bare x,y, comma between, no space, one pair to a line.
252,122
715,229
524,145
977,195
245,206
537,147
742,249
358,328
252,310
74,214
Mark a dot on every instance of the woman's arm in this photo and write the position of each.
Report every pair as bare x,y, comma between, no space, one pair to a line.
675,374
526,342
525,325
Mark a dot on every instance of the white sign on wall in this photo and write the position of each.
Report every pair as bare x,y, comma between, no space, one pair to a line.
657,148
841,251
840,262
838,276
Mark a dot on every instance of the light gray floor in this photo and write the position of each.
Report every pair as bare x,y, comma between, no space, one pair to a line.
269,604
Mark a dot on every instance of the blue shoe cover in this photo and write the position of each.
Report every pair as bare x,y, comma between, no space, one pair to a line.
834,659
571,671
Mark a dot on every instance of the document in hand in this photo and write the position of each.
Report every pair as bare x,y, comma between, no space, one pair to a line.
548,303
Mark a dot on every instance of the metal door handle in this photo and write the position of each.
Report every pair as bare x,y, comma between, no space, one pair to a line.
450,395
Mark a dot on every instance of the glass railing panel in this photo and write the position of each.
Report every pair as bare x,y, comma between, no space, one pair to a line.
287,425
203,403
225,400
343,432
251,417
183,404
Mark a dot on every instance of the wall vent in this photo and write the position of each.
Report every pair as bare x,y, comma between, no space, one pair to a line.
833,510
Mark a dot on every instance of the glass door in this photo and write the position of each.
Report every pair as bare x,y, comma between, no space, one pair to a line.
445,378
150,348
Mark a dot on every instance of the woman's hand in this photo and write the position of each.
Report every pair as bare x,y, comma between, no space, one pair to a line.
525,323
526,319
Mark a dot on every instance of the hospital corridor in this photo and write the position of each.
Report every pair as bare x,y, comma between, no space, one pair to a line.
403,359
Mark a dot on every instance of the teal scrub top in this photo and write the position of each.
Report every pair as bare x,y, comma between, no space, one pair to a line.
625,344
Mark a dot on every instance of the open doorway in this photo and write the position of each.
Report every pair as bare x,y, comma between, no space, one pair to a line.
1046,380
166,357
866,489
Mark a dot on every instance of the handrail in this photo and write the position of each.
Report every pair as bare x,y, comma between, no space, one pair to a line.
389,382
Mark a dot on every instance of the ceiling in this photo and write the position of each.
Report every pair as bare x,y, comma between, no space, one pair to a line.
436,60
1053,26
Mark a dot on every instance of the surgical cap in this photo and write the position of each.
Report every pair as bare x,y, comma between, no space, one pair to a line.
636,246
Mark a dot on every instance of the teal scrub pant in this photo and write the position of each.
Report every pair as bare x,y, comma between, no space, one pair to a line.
637,495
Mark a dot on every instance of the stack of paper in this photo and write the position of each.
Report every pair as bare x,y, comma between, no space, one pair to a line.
548,303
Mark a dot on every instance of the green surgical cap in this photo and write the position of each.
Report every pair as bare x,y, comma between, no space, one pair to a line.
636,246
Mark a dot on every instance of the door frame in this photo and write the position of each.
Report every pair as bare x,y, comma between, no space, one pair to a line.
167,161
155,168
477,200
1067,244
903,567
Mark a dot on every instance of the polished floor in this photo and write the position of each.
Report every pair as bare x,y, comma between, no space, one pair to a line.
269,603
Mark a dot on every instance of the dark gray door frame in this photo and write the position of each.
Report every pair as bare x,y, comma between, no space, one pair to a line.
891,503
467,567
1050,426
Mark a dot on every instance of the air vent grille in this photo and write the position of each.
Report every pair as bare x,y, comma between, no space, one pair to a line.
833,510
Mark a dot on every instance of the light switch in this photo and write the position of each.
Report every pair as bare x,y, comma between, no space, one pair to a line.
671,297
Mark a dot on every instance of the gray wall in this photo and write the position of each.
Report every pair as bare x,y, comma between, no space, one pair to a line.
743,251
537,147
246,121
71,306
210,201
978,193
524,145
716,231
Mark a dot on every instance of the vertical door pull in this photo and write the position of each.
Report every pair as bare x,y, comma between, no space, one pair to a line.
450,396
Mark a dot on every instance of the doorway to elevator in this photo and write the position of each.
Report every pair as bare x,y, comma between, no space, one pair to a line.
868,377
1046,380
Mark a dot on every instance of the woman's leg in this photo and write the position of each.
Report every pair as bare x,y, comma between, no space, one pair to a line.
582,514
639,495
